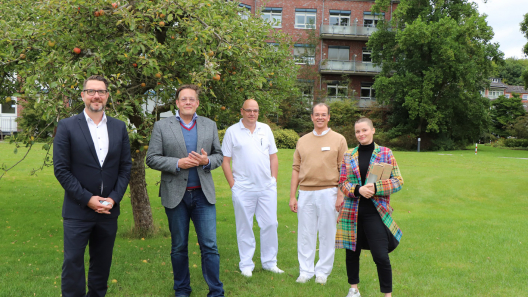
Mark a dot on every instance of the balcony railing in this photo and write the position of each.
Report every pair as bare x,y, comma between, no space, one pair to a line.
352,32
8,124
348,67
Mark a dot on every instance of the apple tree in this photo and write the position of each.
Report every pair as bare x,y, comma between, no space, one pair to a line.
146,49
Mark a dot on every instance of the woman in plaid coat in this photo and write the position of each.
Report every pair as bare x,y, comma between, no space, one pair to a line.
365,220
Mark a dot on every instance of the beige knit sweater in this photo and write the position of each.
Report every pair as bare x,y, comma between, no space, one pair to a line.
318,160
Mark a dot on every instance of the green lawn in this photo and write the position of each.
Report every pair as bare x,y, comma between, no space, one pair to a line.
463,219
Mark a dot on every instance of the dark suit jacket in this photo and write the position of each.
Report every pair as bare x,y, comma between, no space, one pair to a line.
167,146
78,170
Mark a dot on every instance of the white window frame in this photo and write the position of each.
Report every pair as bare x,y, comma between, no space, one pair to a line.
371,19
525,97
244,14
304,54
341,15
368,53
507,96
13,102
495,80
306,13
337,88
494,94
370,90
272,13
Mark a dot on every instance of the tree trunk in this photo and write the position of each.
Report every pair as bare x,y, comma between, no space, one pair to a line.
143,223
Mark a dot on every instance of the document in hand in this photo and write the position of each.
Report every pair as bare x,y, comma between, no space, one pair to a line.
379,171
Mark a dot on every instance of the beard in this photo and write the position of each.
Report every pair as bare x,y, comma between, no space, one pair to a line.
94,109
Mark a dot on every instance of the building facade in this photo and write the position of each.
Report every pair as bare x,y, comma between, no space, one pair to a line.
330,42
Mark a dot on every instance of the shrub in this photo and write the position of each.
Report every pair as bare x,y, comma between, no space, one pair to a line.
285,138
512,142
221,134
404,142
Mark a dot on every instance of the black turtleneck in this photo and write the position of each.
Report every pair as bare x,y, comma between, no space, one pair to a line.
364,155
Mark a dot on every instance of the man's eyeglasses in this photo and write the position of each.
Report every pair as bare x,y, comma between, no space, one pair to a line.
185,100
92,92
251,110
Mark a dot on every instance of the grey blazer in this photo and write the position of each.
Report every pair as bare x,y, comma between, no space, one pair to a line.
167,146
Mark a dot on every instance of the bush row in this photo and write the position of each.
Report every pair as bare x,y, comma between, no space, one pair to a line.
512,142
284,138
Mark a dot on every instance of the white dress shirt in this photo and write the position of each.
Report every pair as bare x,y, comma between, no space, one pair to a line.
99,135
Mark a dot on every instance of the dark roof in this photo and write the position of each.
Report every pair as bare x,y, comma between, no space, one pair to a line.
498,85
516,89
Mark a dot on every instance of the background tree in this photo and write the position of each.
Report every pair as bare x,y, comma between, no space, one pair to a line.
524,29
436,58
505,113
146,49
520,127
511,71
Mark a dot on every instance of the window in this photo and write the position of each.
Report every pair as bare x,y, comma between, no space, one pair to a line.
495,80
367,92
507,95
274,46
483,93
305,18
8,107
273,15
304,54
341,53
367,55
306,89
339,17
495,94
335,91
525,96
244,14
371,19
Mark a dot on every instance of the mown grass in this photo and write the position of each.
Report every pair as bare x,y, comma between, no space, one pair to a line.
463,218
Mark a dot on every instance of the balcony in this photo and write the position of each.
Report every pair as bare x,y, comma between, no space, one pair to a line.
348,67
352,32
8,124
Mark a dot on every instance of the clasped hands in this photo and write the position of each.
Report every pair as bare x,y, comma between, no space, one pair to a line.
194,159
96,205
367,190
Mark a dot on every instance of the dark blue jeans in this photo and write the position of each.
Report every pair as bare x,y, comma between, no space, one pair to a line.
194,206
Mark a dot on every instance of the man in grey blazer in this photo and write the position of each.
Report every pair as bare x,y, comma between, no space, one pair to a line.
185,148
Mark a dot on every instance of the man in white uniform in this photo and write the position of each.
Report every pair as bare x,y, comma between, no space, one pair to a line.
253,181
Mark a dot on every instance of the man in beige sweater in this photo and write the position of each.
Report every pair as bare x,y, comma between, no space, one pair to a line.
316,164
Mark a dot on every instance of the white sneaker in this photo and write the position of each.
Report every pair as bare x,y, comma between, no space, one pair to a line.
320,280
246,273
274,269
303,279
353,293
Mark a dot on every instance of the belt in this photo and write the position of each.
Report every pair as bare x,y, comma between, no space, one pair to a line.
193,189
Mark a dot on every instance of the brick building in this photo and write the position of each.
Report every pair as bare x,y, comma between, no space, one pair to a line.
330,40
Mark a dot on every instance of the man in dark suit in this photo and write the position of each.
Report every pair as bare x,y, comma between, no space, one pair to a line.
91,157
185,148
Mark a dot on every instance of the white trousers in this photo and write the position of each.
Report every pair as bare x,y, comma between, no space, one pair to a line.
263,205
316,213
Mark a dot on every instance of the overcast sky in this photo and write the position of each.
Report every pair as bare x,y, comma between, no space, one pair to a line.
504,16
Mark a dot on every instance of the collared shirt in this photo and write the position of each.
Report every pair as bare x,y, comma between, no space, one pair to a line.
250,153
99,135
191,123
189,126
323,133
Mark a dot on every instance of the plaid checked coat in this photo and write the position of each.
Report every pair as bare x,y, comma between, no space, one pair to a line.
349,179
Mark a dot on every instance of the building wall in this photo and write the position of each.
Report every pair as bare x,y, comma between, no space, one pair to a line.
356,8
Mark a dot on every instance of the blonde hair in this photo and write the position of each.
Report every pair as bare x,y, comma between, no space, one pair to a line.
365,120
